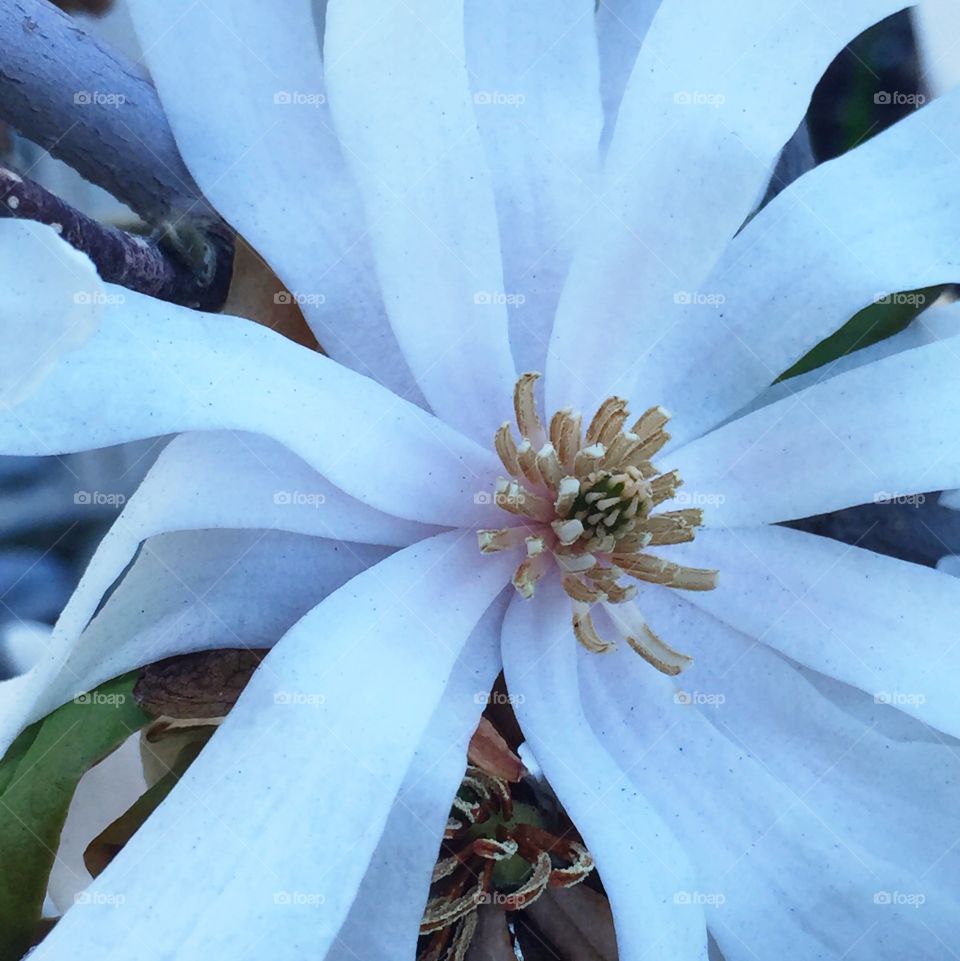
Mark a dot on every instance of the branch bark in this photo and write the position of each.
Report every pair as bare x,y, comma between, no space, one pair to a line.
98,112
94,109
150,266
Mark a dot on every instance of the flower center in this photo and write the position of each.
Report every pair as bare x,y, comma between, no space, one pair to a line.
586,502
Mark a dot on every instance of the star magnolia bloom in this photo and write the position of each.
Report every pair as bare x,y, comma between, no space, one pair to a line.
457,195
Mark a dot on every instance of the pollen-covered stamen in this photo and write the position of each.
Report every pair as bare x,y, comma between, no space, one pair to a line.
587,502
525,408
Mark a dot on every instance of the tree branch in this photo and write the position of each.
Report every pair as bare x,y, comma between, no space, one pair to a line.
139,263
98,112
93,109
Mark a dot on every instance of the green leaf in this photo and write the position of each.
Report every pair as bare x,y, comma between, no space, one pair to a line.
877,322
8,766
38,777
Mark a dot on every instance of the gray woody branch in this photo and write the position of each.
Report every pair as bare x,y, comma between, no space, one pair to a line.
98,112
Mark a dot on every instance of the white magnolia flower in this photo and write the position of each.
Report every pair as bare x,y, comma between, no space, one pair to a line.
434,195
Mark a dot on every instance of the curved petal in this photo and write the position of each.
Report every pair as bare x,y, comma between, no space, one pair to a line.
394,889
621,27
780,871
936,323
235,471
715,92
534,74
106,792
935,24
877,220
892,797
155,368
878,623
62,312
414,149
200,590
880,431
234,479
641,864
350,688
244,92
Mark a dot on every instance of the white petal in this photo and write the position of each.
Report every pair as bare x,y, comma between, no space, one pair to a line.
62,311
155,368
243,89
935,323
879,220
534,74
21,645
949,563
194,591
621,27
936,24
402,108
878,432
384,922
640,862
781,870
284,807
171,499
887,795
104,793
234,479
716,91
878,623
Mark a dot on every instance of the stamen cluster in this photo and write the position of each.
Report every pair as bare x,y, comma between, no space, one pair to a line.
585,503
495,852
